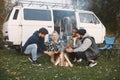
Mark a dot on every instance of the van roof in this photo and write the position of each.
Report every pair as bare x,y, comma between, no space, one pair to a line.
29,7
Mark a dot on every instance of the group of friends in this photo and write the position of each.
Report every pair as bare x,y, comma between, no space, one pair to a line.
79,46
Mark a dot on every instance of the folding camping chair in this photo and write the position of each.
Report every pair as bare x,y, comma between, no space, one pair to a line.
109,43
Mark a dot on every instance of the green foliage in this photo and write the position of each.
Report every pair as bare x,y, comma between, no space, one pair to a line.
15,66
107,10
109,13
2,16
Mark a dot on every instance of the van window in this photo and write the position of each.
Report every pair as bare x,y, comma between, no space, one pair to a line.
60,14
67,18
16,14
88,18
36,14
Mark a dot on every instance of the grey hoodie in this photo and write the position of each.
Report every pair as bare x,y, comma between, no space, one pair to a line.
88,46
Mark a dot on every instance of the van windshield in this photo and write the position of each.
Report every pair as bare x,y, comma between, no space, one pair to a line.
88,18
36,14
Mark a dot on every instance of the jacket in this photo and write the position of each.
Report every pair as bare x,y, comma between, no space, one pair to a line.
70,42
88,47
35,39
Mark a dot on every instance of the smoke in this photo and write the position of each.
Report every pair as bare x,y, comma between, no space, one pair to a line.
77,4
82,4
9,4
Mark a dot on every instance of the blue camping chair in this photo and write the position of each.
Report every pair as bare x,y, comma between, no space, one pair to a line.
110,46
109,43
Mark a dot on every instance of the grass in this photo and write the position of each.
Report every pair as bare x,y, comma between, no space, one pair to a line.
15,66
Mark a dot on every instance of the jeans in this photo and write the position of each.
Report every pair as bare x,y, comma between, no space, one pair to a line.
32,49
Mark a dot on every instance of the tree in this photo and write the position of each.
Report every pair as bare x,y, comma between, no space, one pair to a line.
109,13
107,10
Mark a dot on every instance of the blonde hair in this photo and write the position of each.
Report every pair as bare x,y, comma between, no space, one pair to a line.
55,32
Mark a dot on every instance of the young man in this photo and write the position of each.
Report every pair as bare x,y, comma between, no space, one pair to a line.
73,42
35,45
88,49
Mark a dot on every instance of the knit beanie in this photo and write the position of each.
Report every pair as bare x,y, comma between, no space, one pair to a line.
81,31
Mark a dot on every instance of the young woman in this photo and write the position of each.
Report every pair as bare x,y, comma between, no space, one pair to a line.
53,46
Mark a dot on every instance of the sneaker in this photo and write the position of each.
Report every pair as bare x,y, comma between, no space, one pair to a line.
92,64
79,60
35,63
75,60
30,59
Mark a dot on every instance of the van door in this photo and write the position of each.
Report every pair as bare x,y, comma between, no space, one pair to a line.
34,19
92,24
66,17
14,26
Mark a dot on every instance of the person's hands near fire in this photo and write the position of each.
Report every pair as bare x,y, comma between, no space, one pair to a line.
69,49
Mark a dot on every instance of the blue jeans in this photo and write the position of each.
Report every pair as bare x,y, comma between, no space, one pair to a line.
32,49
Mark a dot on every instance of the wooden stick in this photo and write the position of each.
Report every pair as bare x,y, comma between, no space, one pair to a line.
66,57
62,59
57,61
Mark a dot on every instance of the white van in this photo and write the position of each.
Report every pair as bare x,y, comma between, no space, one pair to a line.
21,22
